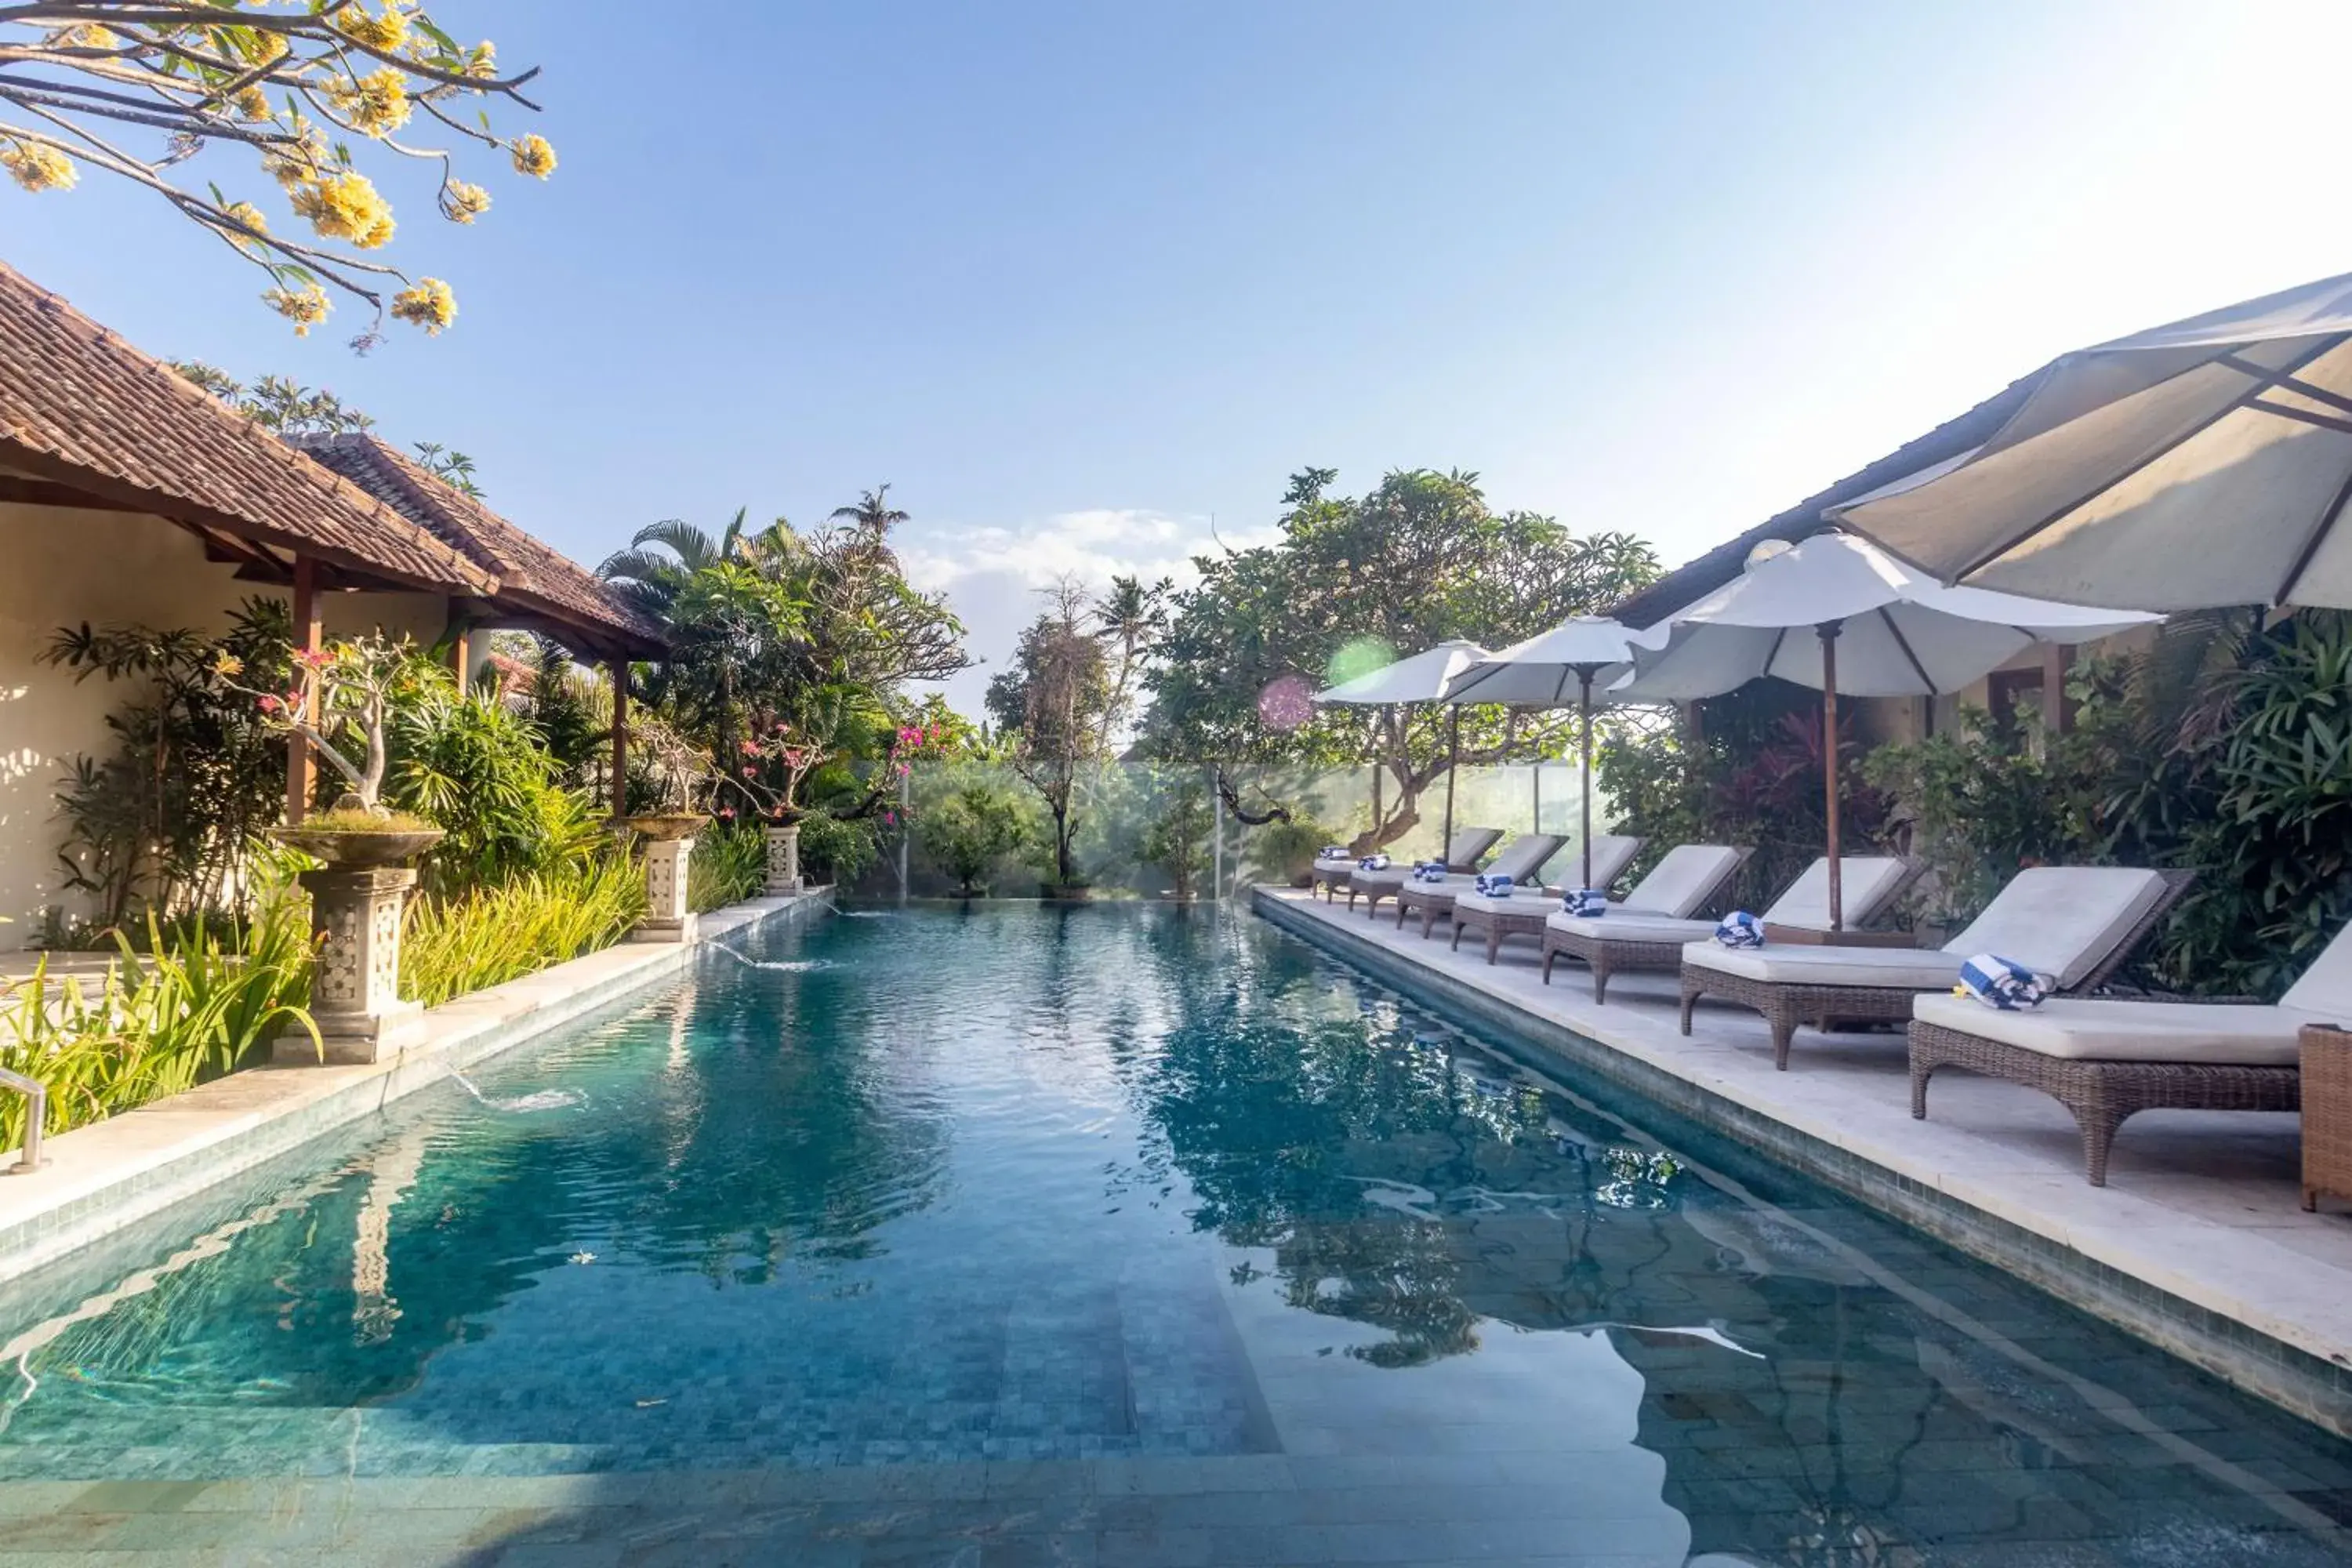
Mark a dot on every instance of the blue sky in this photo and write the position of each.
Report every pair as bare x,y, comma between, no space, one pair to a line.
1077,280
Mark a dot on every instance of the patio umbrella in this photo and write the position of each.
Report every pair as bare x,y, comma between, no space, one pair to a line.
1903,635
1542,670
2202,464
1424,677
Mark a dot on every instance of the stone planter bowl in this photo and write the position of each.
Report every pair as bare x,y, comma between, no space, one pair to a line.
664,827
358,849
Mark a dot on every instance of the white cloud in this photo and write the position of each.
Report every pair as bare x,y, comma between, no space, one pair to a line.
994,575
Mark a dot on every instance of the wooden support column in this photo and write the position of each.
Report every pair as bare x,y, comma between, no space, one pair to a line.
301,767
620,667
2057,713
459,645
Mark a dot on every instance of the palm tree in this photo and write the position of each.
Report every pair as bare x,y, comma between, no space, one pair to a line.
1131,615
652,582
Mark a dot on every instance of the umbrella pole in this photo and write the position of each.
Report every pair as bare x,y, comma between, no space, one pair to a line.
1584,745
1828,632
1380,766
1453,764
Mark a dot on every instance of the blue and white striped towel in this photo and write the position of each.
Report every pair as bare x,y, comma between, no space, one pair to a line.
1740,928
2002,983
1374,863
1493,885
1333,852
1428,870
1587,904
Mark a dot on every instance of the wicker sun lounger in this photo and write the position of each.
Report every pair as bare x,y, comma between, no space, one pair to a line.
2075,923
1523,913
2104,1060
1461,853
1622,944
1521,858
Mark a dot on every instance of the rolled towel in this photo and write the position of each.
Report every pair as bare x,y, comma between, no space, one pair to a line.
1586,903
1333,852
1493,885
2002,983
1374,863
1740,928
1428,870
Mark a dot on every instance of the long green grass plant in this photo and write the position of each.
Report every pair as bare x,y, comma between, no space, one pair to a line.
456,944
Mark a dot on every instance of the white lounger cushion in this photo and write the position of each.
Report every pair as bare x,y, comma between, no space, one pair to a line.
2056,920
2061,921
1898,967
1465,847
1868,879
1630,926
2086,1029
1612,853
1679,883
2325,987
1396,876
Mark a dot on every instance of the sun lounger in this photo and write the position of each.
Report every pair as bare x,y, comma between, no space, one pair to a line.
1461,853
1523,913
1614,943
2075,923
1520,859
2104,1060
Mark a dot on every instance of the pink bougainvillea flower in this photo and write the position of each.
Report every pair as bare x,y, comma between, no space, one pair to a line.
890,818
727,813
749,772
270,704
750,747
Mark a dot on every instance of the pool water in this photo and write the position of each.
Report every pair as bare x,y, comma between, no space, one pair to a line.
947,1188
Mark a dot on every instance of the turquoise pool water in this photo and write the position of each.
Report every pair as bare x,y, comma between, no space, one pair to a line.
921,1192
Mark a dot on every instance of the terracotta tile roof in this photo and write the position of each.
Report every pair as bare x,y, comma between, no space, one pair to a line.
531,574
81,407
1720,566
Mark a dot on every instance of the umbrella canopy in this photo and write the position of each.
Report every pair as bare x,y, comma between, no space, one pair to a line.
1425,677
1879,629
1902,633
1549,669
2201,464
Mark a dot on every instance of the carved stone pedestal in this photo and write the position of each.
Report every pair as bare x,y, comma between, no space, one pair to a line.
668,918
784,860
355,979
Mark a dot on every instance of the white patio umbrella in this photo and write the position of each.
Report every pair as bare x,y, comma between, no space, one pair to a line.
2202,464
1880,629
1424,677
1542,670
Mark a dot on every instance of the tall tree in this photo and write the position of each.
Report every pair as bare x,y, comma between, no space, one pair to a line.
1420,559
138,90
1051,704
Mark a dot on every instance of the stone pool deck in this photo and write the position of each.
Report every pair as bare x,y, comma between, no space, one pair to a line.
96,1179
2199,1242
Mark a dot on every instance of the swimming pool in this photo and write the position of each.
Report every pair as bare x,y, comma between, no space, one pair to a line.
1190,1241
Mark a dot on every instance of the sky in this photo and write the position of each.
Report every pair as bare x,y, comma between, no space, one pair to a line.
1084,284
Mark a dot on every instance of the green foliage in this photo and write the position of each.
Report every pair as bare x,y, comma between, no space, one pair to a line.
451,946
359,819
2225,748
163,822
1178,837
972,831
205,999
730,864
1054,704
1284,851
573,712
1419,560
475,767
839,849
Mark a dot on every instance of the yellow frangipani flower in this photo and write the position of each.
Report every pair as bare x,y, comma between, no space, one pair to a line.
251,104
429,304
462,203
533,156
296,165
38,168
84,36
482,61
250,215
345,206
386,32
306,306
266,47
377,103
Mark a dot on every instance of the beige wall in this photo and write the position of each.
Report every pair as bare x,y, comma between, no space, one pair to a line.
1892,720
108,568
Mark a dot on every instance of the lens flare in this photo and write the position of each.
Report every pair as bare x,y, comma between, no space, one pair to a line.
1358,656
1286,703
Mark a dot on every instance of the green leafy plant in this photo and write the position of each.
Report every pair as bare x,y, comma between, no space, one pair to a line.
972,832
1176,838
729,865
1284,851
478,769
840,849
205,999
455,944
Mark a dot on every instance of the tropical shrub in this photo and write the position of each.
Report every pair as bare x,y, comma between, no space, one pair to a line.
479,771
730,864
972,832
840,849
206,998
1284,851
454,944
1177,839
165,822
